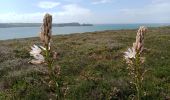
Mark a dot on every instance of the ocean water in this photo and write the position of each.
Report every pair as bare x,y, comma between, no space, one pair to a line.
24,32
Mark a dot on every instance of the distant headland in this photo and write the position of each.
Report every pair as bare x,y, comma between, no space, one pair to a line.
8,25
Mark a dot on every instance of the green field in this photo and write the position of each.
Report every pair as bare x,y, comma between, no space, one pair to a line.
92,66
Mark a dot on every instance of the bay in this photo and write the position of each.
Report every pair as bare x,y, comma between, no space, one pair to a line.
25,32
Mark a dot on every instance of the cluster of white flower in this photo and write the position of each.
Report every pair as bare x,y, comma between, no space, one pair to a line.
36,53
130,53
137,47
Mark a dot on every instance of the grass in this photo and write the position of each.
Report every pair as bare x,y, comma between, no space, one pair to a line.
92,66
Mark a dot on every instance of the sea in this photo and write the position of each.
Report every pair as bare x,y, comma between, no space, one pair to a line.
26,32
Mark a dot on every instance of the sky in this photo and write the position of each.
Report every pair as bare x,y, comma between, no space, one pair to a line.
86,11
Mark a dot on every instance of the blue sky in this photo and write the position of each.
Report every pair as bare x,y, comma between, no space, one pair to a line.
86,11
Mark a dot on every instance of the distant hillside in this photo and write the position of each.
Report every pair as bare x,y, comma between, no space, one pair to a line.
7,25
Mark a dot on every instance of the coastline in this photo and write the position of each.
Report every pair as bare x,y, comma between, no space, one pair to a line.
88,32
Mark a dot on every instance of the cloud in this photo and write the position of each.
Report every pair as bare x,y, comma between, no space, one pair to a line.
74,10
160,1
17,17
68,13
101,1
48,4
73,13
73,1
156,12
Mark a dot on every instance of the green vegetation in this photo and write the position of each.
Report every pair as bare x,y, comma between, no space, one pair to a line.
92,66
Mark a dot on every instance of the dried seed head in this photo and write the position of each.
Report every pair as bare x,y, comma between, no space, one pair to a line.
139,44
46,30
51,83
55,55
57,70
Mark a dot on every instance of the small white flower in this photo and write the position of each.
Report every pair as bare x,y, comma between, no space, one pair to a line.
35,52
49,46
43,48
130,53
38,57
36,62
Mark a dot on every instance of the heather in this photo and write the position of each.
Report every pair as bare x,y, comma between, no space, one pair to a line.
92,66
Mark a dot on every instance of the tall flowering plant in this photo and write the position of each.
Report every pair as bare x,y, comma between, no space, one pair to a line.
45,36
134,59
44,55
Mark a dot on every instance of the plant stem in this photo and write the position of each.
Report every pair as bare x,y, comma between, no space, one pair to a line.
48,60
138,77
51,73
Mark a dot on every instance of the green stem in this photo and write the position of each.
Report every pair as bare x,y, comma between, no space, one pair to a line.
52,77
48,59
51,73
138,77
